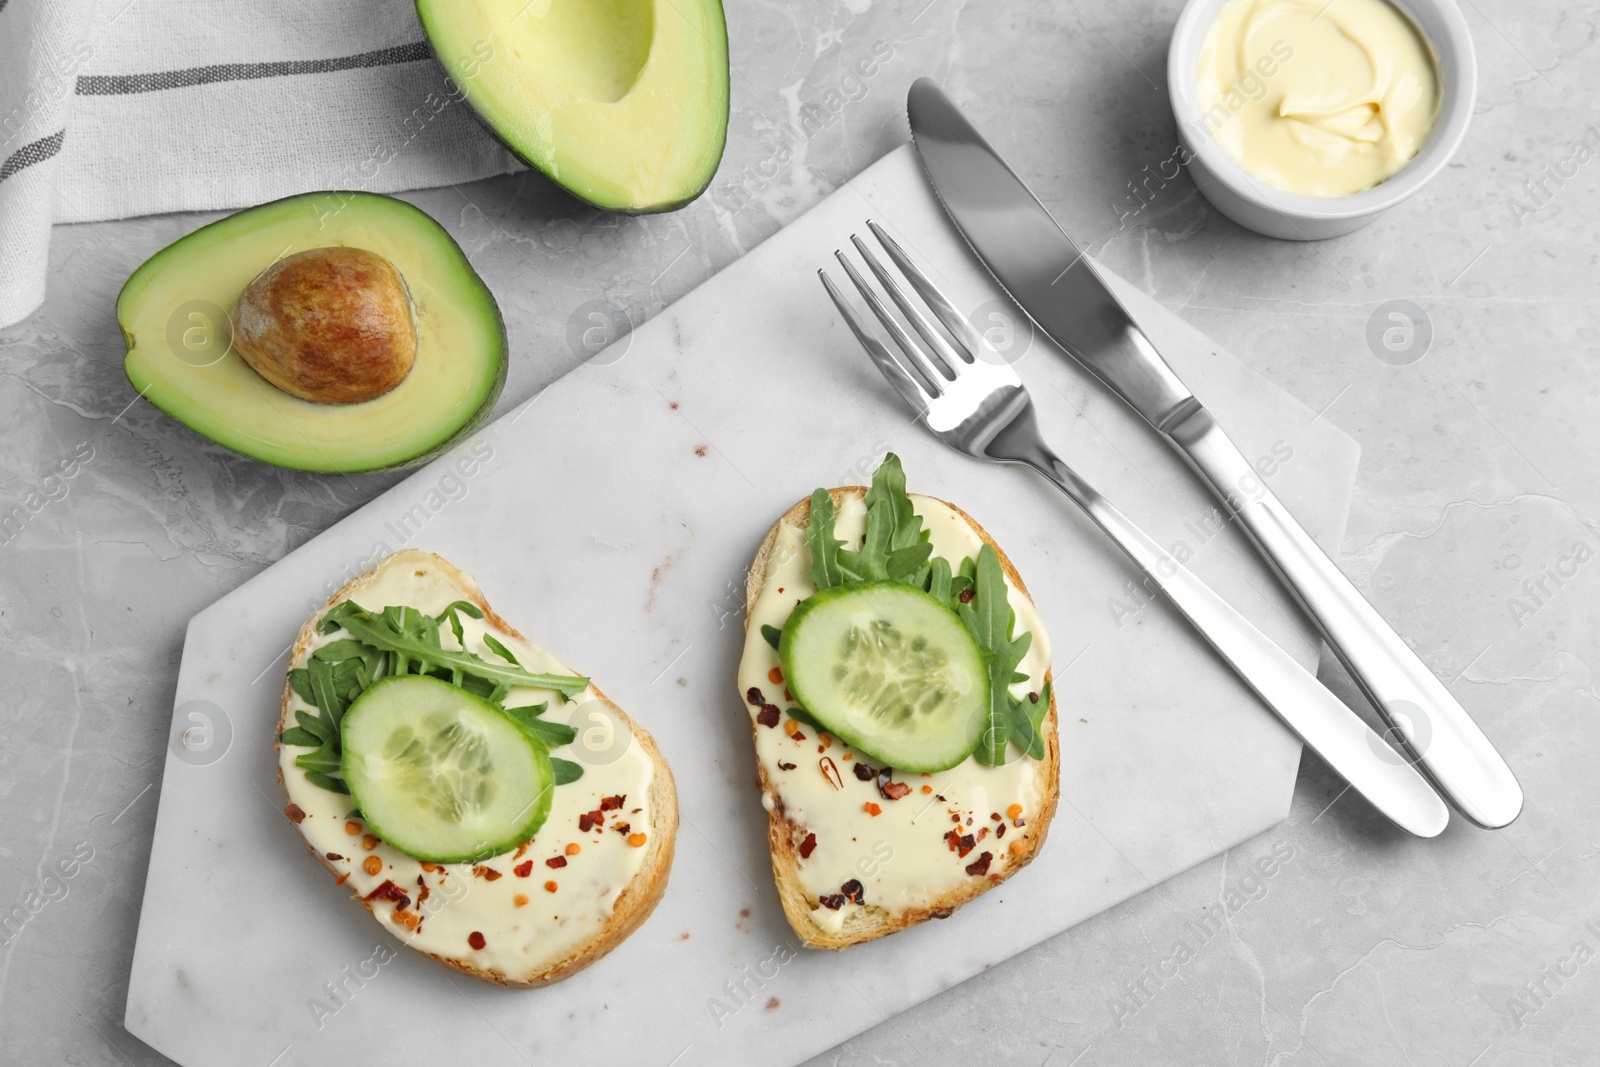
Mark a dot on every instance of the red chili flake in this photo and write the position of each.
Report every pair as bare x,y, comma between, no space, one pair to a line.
622,828
1034,697
588,820
830,771
854,891
488,874
966,596
389,891
523,869
953,839
832,901
981,864
955,817
772,1003
894,790
294,813
995,815
807,845
865,772
768,715
335,856
788,695
782,766
755,696
983,832
476,940
521,849
556,861
1000,831
965,844
613,803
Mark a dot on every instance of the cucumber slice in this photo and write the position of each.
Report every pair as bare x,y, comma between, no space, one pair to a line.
889,670
441,774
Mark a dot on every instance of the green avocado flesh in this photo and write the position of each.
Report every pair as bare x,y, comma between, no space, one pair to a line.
622,102
173,312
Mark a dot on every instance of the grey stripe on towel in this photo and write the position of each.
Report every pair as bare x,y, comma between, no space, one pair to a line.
122,84
29,154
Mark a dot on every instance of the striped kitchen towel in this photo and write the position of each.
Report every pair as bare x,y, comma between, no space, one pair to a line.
114,108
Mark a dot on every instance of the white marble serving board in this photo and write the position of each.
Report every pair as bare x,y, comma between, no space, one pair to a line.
613,524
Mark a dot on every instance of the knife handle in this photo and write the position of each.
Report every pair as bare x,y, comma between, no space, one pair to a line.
1304,704
1431,727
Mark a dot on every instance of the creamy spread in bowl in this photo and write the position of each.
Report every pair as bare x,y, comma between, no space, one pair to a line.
1314,97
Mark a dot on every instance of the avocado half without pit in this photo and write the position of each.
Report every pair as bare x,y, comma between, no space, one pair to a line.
331,332
624,103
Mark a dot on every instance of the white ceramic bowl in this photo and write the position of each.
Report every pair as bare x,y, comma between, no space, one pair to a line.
1267,210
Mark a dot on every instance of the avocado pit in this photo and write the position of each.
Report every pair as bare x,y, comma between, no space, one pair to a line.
329,325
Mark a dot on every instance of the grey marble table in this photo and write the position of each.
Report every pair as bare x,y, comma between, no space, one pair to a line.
1473,529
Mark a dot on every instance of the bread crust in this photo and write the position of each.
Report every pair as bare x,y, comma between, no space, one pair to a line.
784,834
642,894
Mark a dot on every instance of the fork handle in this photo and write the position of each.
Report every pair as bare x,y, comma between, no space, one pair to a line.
1433,727
1336,733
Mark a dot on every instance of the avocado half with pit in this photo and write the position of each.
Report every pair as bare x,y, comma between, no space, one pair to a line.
335,332
622,102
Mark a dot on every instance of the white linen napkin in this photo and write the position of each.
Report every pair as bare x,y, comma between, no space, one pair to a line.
115,108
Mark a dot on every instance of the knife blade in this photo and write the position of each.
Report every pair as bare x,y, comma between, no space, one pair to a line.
1043,270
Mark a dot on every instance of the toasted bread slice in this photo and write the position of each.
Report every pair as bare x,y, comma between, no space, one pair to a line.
589,877
1019,837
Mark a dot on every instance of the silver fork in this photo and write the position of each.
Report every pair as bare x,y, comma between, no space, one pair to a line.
975,403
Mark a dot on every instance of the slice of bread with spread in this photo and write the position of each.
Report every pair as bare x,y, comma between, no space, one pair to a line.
861,849
544,907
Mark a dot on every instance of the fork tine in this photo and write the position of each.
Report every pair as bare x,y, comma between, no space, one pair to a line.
914,315
908,347
910,390
946,313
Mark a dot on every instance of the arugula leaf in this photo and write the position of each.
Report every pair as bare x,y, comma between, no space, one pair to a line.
414,637
870,562
311,725
465,607
772,634
989,616
1027,728
299,735
894,545
333,785
553,734
824,546
566,772
500,650
908,543
300,682
939,580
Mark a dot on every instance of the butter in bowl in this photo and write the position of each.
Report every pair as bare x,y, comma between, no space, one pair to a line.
1306,119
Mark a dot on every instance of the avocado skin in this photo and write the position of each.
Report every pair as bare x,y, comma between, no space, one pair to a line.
314,462
510,146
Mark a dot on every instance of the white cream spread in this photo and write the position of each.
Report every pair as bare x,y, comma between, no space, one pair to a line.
1318,98
526,912
904,856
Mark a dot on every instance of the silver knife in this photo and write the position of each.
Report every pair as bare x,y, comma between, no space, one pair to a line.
1034,260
